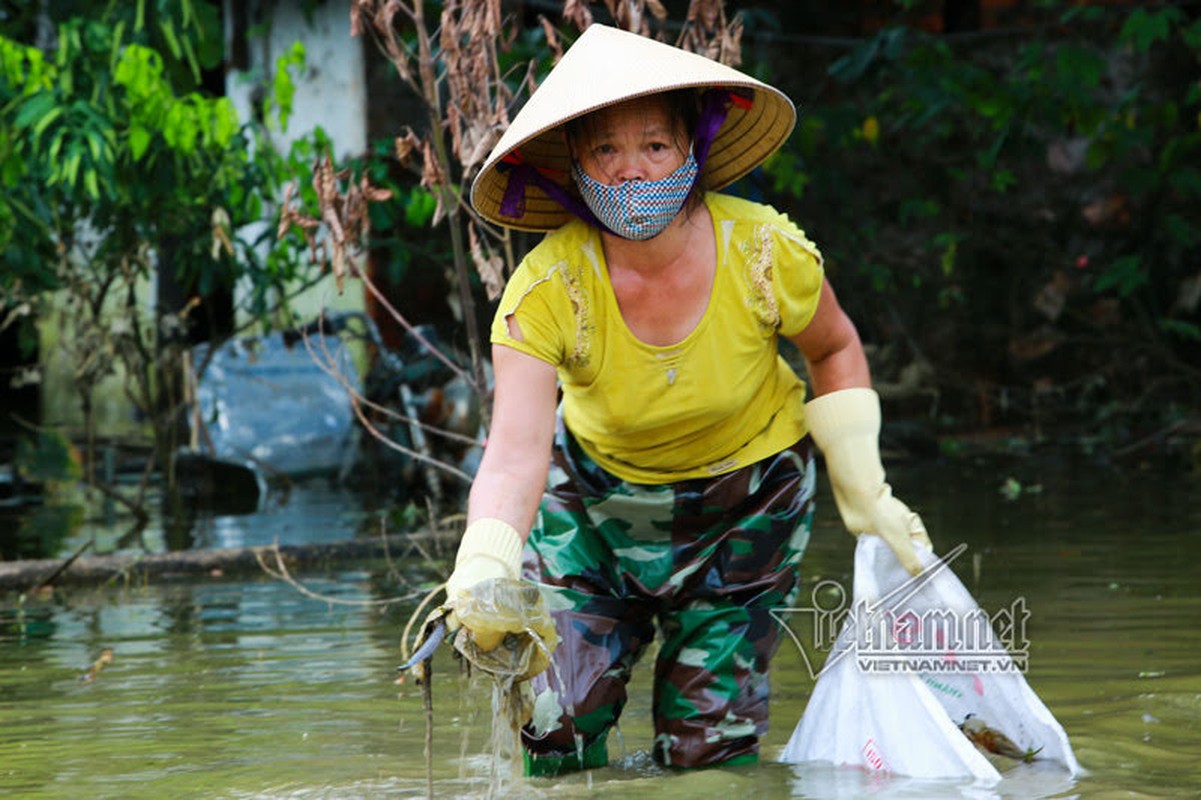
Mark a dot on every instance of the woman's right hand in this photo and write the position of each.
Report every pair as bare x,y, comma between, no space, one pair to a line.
501,623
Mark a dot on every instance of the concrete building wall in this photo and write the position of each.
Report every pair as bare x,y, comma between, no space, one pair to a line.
332,94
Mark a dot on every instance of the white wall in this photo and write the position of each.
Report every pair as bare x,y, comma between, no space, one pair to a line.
332,94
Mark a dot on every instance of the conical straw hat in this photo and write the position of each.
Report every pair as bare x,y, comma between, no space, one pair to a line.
606,66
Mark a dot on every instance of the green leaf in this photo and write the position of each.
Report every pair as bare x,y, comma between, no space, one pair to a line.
191,60
1125,276
1002,179
1144,28
168,31
139,140
115,52
1182,328
420,208
1079,65
34,109
95,145
49,457
225,121
949,255
1192,35
70,169
50,116
1187,181
1183,231
91,184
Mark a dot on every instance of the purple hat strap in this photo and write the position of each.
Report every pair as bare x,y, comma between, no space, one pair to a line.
512,205
715,105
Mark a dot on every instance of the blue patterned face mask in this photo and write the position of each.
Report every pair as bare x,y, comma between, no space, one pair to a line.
637,209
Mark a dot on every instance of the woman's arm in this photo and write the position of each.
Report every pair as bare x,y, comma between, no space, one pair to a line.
500,510
844,421
832,349
512,474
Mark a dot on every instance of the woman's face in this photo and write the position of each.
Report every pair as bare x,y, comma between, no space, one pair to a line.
635,140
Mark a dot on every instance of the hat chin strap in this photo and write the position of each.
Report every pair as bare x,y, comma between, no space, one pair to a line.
512,205
715,105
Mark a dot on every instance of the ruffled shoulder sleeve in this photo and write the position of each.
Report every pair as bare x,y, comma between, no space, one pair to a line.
783,269
544,298
797,277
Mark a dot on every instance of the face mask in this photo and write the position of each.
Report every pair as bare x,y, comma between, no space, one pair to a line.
637,209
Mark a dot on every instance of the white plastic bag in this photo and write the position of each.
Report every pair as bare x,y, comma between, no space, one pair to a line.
916,668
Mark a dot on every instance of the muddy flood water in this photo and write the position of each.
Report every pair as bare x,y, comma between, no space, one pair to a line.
251,688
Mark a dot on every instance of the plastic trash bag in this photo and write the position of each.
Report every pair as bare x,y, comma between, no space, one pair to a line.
506,630
918,683
271,402
507,633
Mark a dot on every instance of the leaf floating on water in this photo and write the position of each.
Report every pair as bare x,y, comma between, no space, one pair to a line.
1011,489
105,658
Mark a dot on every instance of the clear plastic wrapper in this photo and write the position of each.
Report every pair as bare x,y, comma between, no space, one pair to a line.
506,629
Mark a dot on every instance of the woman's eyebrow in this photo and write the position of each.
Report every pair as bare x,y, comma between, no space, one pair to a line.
655,131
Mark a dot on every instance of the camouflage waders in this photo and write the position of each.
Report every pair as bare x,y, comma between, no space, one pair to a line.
704,559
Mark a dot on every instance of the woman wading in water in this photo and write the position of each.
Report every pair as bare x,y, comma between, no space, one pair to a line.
651,454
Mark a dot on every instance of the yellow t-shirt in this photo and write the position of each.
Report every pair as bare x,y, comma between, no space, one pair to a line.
720,399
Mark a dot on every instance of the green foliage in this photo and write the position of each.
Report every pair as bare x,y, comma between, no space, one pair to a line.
114,162
48,456
1144,28
1041,183
100,133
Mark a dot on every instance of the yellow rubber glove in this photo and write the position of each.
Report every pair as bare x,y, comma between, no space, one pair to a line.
845,425
490,606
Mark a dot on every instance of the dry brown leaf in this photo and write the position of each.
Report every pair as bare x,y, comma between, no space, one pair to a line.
489,265
552,39
731,48
221,242
286,211
432,176
406,146
706,13
477,143
576,12
343,212
374,194
455,125
1052,298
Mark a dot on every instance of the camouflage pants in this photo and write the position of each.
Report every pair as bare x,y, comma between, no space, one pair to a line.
704,560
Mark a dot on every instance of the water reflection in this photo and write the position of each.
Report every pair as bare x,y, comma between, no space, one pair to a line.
314,511
250,689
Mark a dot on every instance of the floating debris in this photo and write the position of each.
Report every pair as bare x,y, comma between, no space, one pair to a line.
105,658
